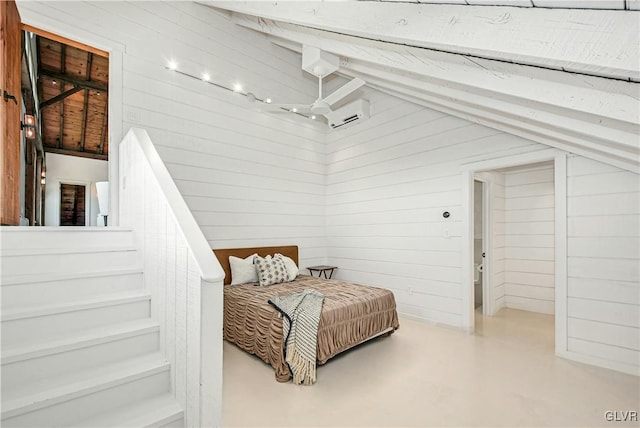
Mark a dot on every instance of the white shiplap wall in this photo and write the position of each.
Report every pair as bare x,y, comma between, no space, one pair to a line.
603,210
250,178
389,180
529,238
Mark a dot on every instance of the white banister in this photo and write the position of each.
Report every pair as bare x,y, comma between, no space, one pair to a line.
182,274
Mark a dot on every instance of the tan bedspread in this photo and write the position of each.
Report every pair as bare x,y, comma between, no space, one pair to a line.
351,314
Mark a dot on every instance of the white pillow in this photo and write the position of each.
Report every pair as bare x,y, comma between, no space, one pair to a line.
243,271
290,265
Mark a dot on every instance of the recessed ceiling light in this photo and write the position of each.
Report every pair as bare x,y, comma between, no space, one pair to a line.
206,77
313,116
172,65
268,101
237,87
294,109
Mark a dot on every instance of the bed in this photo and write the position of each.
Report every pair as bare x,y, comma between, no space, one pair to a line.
351,313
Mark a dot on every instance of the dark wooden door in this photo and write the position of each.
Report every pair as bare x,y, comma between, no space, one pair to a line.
10,44
72,205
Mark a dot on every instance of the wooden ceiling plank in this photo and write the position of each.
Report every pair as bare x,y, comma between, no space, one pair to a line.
63,59
64,40
75,81
39,82
76,153
86,102
103,132
60,96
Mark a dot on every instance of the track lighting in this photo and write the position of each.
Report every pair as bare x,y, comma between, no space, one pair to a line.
236,87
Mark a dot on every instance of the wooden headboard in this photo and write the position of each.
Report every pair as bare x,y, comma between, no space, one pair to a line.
223,256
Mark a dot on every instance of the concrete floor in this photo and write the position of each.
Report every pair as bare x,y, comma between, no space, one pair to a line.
423,375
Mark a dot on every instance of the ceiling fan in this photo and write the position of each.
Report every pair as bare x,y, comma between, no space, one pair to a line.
320,64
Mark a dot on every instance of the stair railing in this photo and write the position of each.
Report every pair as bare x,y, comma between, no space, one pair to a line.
182,274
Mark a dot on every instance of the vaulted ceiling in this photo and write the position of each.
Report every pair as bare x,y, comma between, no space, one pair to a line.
565,77
73,92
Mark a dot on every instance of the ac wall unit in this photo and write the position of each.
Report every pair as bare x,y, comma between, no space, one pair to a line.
349,115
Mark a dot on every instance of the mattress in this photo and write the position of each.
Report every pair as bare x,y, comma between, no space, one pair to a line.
351,314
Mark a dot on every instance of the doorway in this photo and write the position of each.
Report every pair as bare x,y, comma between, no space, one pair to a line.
24,177
73,204
528,235
66,87
479,251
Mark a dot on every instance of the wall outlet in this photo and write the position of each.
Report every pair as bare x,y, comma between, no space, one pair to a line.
133,116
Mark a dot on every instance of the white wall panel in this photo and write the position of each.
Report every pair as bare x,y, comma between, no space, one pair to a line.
603,263
529,241
613,291
498,241
529,278
73,170
609,334
609,204
389,180
528,303
529,229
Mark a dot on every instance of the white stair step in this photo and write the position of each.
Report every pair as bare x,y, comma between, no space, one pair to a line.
64,237
159,411
35,324
42,289
26,391
56,261
28,363
100,391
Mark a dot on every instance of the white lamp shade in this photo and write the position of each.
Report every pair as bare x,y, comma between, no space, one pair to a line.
103,196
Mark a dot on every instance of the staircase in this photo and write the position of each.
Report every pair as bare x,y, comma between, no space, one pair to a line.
79,347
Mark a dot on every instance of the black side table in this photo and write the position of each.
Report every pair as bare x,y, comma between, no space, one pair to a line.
322,270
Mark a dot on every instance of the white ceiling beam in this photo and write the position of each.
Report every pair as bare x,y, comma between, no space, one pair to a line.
579,137
499,123
592,42
602,98
519,3
476,96
583,4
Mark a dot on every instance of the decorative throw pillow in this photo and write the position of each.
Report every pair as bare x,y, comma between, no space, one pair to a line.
292,269
271,270
243,271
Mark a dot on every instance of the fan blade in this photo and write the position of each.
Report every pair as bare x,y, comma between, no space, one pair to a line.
343,91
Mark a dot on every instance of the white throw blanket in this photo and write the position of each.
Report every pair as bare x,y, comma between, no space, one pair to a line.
300,319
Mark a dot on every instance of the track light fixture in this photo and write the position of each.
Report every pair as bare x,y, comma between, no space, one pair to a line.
236,87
